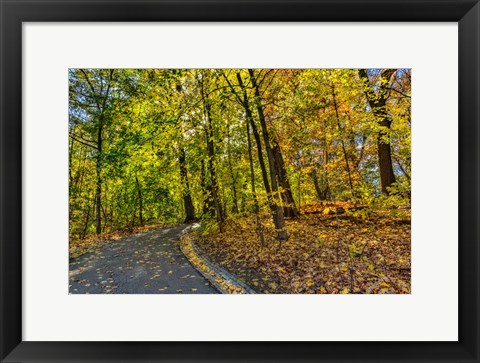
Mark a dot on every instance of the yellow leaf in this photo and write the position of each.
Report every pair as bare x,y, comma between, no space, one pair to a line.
345,291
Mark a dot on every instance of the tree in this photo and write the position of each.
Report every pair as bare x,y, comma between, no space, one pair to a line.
187,198
153,146
209,135
278,216
377,99
92,94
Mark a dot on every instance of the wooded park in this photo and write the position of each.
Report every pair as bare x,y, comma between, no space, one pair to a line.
299,179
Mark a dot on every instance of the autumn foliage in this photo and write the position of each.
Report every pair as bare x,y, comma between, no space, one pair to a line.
301,178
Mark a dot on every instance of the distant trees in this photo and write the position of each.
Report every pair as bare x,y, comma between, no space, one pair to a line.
151,146
90,100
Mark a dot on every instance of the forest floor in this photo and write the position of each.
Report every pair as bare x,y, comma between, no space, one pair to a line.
330,250
327,252
143,263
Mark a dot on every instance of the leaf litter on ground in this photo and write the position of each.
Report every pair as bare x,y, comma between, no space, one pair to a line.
326,253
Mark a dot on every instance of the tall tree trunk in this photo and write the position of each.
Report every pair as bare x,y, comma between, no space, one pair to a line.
324,176
87,219
278,216
377,101
289,208
211,156
140,201
254,193
299,188
105,218
70,174
101,109
98,189
206,185
342,142
213,176
322,193
320,182
187,198
256,135
232,174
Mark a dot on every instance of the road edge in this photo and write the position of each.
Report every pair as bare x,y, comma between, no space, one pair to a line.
223,280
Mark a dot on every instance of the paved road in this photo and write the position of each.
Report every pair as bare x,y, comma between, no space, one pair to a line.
145,263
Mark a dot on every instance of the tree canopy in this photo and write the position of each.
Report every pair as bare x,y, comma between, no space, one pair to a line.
168,145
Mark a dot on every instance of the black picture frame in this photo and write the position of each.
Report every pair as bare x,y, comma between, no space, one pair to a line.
14,12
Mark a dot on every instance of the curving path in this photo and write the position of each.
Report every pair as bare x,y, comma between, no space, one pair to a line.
144,263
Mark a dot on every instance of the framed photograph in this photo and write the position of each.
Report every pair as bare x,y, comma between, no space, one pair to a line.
239,181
